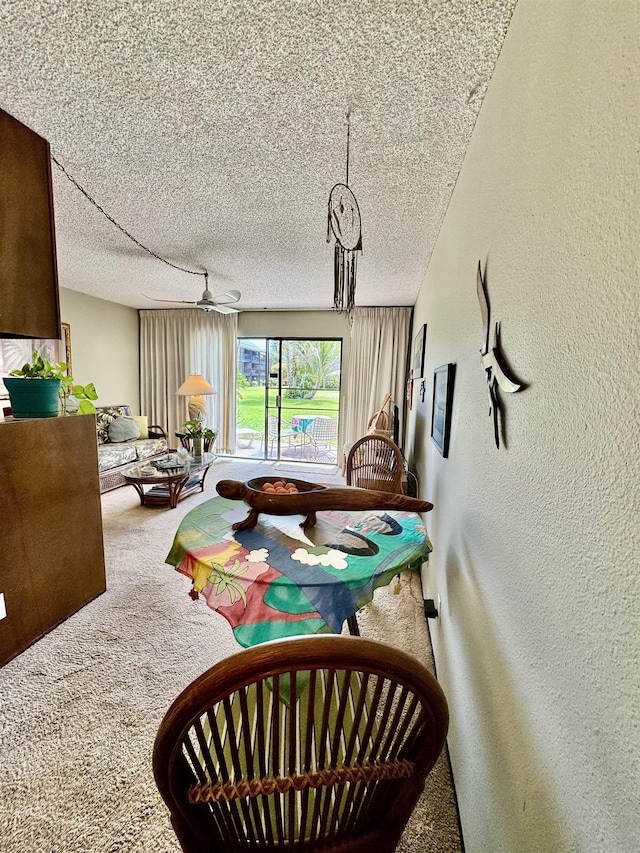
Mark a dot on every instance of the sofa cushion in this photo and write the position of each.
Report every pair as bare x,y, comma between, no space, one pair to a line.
112,455
150,447
105,415
123,429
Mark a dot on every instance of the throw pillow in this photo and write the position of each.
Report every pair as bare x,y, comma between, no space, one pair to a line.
123,429
105,415
143,420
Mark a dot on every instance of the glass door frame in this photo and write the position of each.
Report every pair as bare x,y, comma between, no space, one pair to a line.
263,360
269,409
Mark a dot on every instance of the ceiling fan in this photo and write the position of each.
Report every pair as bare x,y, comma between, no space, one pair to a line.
207,301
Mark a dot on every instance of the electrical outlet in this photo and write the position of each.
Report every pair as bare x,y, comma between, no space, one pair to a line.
430,609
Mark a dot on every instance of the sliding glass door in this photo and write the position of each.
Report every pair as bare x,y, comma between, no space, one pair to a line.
288,405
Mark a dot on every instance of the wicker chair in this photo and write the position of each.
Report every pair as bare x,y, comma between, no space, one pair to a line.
314,743
375,462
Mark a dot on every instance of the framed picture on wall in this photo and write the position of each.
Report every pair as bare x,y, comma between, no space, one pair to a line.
417,357
443,379
65,347
14,352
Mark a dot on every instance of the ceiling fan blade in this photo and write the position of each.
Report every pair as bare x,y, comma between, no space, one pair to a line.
224,309
173,301
207,302
232,296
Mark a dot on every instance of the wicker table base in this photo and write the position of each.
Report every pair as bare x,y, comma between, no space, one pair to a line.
169,487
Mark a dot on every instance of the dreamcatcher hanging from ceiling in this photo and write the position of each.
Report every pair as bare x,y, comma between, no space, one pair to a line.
344,221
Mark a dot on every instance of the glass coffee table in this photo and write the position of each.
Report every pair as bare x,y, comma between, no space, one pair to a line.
169,482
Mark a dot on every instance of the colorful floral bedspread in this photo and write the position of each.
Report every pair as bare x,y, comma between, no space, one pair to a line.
276,580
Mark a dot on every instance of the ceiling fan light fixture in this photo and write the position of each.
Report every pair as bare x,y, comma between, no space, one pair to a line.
209,302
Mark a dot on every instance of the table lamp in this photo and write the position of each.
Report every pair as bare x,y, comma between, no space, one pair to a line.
195,386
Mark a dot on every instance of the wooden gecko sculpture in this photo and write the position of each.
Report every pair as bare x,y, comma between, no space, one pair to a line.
310,499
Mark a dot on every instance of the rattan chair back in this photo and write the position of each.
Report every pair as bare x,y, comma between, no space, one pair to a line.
375,462
314,743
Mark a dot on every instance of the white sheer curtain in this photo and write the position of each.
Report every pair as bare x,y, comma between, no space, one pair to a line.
377,365
175,344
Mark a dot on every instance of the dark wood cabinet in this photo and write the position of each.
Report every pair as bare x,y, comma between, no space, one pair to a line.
29,302
51,548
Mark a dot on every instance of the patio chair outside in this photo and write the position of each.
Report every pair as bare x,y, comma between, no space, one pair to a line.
288,437
323,435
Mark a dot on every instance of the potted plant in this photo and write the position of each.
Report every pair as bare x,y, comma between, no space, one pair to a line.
202,436
77,398
40,389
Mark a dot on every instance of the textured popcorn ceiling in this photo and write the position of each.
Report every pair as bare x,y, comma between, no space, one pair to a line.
214,131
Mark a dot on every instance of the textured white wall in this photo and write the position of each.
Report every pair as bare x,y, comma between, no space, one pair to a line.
104,346
536,545
296,324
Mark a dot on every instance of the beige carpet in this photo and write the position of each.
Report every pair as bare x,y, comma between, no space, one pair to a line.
305,469
81,707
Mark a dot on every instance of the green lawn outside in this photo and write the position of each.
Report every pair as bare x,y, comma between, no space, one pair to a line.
250,407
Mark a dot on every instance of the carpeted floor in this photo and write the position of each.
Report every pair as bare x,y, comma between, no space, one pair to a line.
306,469
81,707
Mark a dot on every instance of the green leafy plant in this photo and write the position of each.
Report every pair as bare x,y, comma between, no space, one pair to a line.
196,429
72,396
40,368
83,394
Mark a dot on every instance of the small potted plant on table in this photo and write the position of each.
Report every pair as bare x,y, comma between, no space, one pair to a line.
201,436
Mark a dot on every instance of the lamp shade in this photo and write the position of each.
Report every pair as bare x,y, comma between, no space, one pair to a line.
195,387
195,384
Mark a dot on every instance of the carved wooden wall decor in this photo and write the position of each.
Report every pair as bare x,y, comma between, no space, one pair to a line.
496,370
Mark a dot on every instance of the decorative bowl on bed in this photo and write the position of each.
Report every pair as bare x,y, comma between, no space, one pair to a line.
300,486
